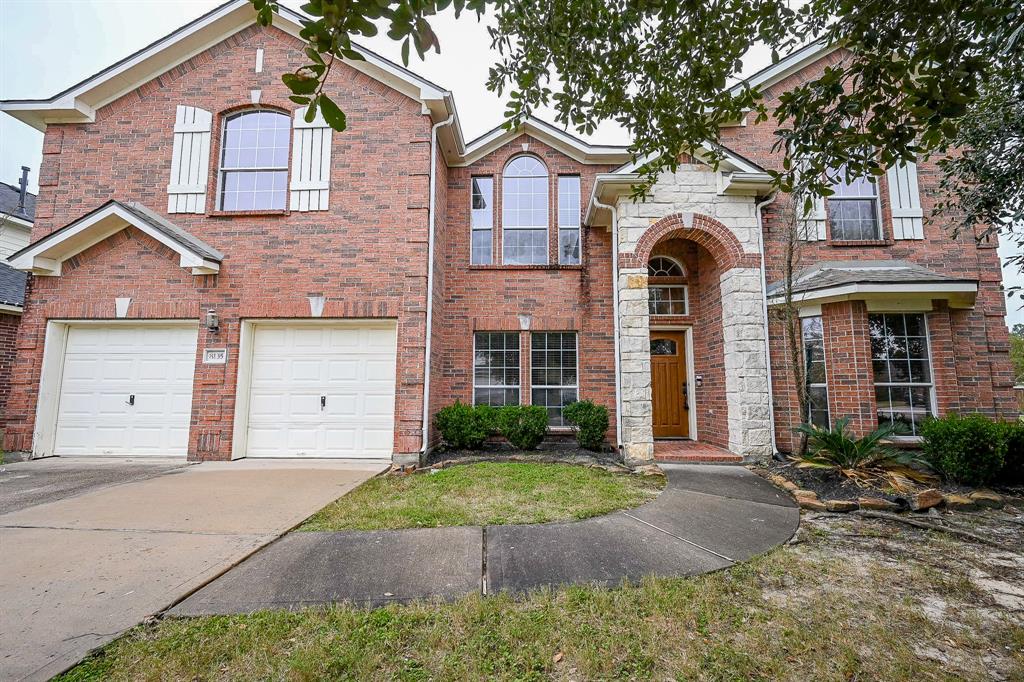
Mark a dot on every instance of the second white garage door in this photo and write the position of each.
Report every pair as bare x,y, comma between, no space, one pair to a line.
322,390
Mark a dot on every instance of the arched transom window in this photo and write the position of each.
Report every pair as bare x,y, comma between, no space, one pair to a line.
668,294
254,161
660,266
525,212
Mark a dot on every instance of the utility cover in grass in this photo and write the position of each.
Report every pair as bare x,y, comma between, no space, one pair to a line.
486,493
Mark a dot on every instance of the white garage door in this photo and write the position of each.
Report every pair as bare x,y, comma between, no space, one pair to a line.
322,391
126,390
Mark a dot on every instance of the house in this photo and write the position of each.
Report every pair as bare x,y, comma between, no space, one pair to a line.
17,210
213,276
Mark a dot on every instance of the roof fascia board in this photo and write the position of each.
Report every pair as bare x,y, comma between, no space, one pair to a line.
607,186
785,67
79,103
732,162
45,257
571,146
15,220
11,309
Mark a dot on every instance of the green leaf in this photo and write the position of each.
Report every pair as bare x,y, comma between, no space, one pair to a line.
334,116
300,85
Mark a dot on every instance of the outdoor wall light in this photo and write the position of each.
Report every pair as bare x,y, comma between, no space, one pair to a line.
212,321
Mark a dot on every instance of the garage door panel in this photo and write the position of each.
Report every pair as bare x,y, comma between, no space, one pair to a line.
353,368
103,367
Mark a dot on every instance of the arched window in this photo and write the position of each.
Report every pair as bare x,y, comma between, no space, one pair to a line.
525,212
661,266
254,161
668,295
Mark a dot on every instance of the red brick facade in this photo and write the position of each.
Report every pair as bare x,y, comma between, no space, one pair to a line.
367,255
8,333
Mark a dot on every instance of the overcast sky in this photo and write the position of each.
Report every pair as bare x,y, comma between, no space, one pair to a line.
48,45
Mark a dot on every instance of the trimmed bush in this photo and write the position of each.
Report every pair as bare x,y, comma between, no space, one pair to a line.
524,426
1013,467
464,427
965,449
590,421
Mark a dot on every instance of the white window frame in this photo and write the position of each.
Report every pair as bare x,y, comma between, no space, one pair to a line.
222,172
577,227
505,229
576,386
519,374
686,299
876,201
473,229
932,400
824,361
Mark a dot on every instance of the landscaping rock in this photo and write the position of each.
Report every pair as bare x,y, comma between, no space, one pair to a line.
877,504
808,499
649,470
987,498
959,502
926,499
841,506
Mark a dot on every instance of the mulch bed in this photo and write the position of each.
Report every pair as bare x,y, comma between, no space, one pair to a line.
546,453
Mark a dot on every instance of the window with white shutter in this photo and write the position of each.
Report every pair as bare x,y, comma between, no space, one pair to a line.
905,201
311,163
190,161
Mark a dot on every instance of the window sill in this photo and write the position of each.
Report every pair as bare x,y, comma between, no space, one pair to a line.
247,214
543,266
860,242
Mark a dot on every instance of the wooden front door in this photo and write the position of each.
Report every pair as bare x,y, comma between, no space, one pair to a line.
671,413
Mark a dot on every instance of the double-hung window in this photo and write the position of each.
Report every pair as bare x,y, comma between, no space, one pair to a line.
495,368
902,369
254,161
814,367
853,210
482,220
569,220
524,213
553,375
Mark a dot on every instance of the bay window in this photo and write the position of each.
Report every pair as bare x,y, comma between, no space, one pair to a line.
814,368
902,369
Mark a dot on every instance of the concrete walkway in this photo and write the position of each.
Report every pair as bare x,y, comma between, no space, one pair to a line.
708,517
80,569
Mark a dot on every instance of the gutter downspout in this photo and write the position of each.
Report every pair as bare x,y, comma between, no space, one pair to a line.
615,319
764,312
431,218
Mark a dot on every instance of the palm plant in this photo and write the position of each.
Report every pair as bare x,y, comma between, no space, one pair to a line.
866,460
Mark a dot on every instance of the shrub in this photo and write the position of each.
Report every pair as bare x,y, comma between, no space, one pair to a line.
590,421
867,459
524,426
1013,466
966,449
464,427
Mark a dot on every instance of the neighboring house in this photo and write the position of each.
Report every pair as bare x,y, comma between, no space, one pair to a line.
213,276
17,211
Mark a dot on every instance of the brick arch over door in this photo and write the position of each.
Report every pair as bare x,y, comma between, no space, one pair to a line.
718,239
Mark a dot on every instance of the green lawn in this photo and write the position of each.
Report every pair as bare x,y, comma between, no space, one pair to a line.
856,600
488,493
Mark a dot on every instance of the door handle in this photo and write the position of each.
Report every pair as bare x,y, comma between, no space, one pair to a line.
323,402
686,397
131,399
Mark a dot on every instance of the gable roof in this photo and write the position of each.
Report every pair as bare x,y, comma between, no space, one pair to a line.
555,137
785,67
10,195
46,256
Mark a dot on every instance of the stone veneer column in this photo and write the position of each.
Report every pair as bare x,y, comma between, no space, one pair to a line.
635,352
746,373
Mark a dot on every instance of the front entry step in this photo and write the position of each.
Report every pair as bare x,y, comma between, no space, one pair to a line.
692,452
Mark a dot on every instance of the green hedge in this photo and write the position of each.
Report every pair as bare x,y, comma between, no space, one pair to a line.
967,449
524,426
464,427
1013,469
590,422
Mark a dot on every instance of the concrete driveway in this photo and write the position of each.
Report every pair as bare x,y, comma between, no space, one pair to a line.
92,547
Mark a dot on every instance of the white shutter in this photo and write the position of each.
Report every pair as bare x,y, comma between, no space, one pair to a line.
811,226
190,161
905,202
311,163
